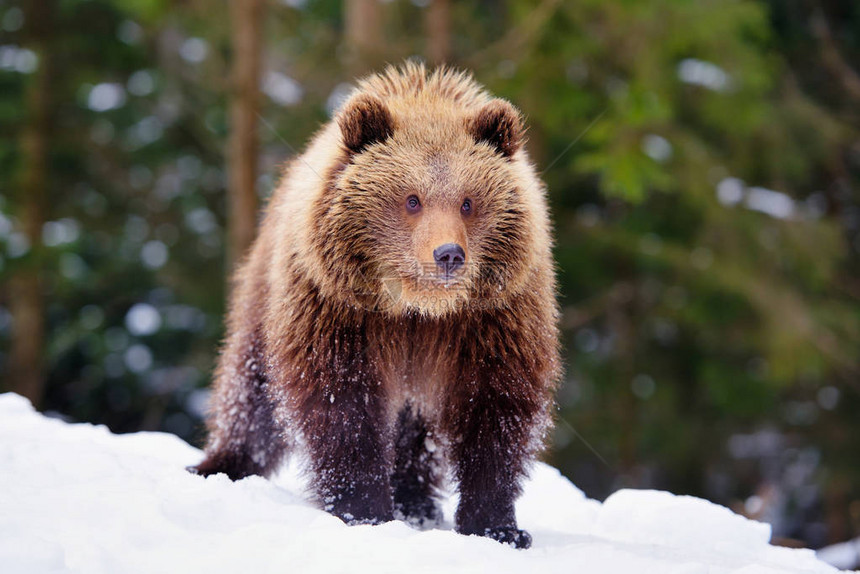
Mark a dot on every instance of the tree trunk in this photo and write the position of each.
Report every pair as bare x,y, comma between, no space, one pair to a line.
363,34
26,299
621,323
242,157
437,23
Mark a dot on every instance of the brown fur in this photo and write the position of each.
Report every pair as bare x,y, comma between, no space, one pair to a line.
344,342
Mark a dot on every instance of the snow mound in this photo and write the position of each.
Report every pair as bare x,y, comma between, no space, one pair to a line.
75,498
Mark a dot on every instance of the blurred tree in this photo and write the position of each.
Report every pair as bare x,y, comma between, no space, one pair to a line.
26,369
821,44
437,21
363,34
246,17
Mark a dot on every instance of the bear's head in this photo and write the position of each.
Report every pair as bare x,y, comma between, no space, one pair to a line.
429,209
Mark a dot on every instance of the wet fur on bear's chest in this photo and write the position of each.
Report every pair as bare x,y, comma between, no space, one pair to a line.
419,364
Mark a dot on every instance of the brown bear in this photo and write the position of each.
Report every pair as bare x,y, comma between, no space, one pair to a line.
396,317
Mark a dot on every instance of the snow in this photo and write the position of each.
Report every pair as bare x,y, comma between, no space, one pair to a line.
75,498
843,555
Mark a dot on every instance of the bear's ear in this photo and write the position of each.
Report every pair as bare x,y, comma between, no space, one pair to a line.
499,124
364,120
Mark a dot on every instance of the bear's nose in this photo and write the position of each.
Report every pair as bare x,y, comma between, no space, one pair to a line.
449,257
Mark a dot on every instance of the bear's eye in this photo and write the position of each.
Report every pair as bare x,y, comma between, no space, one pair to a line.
413,205
466,208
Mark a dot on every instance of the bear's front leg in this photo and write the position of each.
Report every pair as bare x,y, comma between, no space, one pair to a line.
341,417
491,425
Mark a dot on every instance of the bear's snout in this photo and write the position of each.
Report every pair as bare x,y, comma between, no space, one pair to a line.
449,258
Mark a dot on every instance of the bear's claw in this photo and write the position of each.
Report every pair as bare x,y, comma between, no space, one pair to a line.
511,536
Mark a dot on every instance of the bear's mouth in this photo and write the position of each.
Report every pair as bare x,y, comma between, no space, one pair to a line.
440,276
434,289
448,273
438,283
